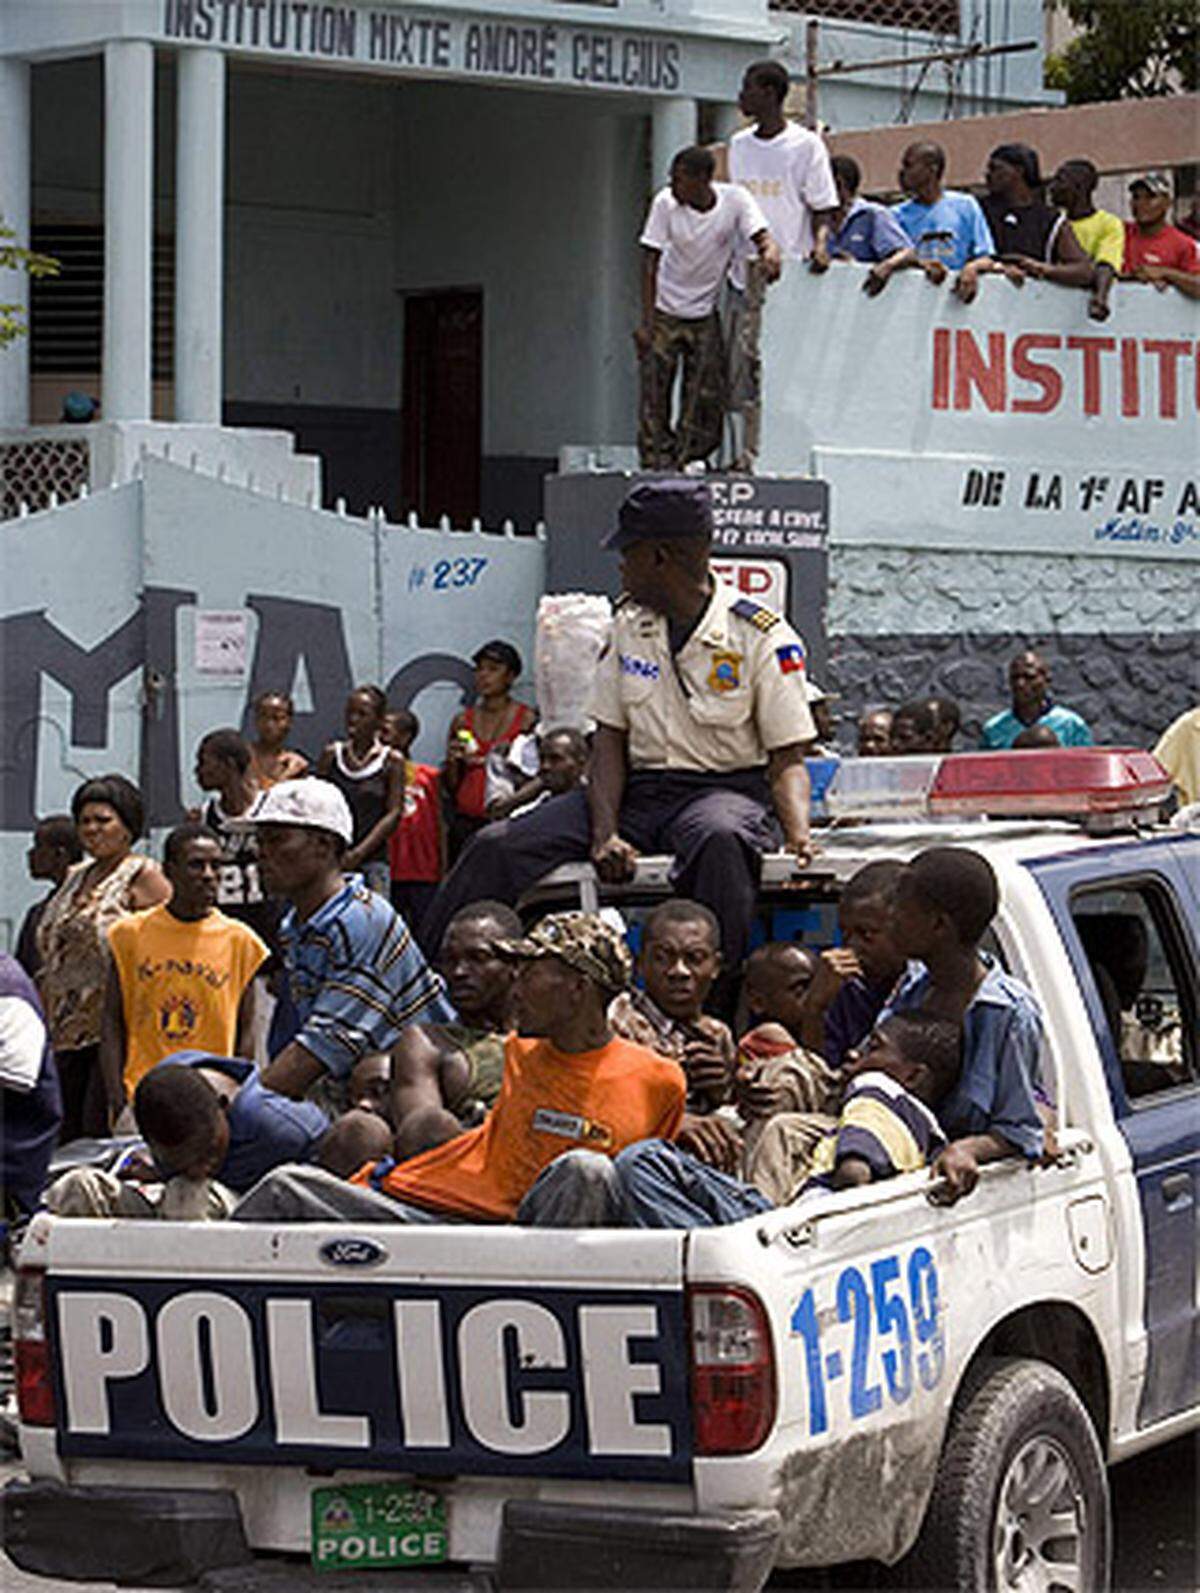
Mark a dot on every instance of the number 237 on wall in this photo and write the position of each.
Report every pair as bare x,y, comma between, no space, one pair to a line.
899,1302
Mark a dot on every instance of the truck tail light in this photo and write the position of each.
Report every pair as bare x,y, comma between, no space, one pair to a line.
35,1388
733,1371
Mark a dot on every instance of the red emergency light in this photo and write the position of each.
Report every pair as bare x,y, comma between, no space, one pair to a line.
1057,782
1091,783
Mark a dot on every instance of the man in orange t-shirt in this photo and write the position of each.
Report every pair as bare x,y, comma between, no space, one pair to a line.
576,1090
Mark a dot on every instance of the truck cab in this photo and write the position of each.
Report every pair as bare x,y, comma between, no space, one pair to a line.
868,1376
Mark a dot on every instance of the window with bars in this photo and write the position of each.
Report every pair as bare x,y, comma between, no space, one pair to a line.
67,311
930,16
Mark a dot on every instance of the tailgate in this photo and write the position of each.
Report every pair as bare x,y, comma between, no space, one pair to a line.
422,1350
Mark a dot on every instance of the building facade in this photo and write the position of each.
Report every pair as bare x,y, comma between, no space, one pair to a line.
406,235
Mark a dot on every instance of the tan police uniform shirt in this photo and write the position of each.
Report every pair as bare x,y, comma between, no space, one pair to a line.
733,693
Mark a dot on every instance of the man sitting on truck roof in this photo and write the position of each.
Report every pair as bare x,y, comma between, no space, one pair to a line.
570,1087
702,728
444,1076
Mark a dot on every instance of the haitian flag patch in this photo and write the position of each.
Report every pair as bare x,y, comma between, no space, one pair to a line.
790,658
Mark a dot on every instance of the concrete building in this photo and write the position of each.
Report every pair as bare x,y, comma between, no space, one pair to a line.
404,235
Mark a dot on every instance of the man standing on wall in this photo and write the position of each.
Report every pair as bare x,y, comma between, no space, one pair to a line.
694,232
785,168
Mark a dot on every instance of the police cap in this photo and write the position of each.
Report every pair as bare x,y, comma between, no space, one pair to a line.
663,511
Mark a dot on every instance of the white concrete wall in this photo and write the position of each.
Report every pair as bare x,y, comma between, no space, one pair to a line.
311,314
538,198
1003,474
327,602
80,566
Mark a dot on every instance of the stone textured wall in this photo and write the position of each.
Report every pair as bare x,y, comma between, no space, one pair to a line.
1122,636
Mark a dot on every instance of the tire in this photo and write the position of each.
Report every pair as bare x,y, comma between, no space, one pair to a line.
1021,1473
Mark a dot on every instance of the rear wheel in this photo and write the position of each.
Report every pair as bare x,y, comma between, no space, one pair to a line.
1020,1504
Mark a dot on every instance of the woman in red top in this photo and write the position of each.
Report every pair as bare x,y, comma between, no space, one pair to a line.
492,721
417,850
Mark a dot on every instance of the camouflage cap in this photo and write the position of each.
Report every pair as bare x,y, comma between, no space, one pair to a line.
581,940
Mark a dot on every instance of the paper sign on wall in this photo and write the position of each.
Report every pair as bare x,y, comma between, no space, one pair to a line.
221,641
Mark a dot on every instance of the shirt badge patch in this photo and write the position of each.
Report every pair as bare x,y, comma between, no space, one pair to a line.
790,659
569,1125
640,668
726,672
763,619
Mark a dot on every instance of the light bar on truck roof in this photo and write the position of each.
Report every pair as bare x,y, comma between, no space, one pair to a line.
882,788
1055,782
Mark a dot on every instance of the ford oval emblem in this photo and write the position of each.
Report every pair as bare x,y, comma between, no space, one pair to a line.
352,1253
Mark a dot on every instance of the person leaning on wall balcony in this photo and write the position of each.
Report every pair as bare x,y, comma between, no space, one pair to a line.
1100,234
948,229
1031,238
1154,250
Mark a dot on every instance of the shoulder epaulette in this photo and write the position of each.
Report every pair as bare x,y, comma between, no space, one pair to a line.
763,619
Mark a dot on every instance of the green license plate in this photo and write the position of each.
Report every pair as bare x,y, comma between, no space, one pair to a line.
377,1523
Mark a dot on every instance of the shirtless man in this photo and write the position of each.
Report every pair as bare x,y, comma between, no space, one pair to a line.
444,1076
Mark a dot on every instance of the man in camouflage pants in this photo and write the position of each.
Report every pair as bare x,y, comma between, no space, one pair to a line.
694,231
697,347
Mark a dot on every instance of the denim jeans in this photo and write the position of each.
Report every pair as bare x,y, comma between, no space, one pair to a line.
299,1193
664,1187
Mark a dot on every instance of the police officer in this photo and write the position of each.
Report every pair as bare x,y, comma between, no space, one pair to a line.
702,723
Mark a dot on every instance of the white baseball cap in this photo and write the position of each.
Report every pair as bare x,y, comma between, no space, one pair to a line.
310,803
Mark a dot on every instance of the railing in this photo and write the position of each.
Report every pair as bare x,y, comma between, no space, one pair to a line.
41,473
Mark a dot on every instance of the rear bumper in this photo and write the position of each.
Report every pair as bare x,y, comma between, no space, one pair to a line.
157,1537
580,1546
170,1537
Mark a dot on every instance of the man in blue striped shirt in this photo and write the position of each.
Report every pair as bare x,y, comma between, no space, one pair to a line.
356,976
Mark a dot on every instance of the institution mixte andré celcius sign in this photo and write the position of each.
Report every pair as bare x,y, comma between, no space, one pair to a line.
390,36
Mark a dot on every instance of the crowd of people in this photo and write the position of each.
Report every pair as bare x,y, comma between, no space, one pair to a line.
259,1020
720,229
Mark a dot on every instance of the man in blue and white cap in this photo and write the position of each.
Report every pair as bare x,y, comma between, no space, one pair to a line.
356,976
702,726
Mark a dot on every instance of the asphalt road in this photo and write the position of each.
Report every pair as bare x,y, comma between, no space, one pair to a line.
1155,1500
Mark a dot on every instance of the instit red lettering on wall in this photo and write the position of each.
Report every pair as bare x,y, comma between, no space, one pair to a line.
1042,373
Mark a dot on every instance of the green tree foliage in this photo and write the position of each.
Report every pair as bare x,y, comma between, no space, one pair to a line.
1129,49
15,258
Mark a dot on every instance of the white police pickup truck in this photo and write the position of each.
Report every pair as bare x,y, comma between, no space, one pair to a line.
877,1377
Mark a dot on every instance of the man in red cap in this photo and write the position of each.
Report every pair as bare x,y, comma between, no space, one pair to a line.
702,724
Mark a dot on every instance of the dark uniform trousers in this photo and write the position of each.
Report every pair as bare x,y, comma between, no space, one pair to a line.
716,825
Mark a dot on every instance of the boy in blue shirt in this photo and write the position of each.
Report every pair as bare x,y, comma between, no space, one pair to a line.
865,231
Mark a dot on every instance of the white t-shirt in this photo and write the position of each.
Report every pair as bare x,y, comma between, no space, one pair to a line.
698,247
790,177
